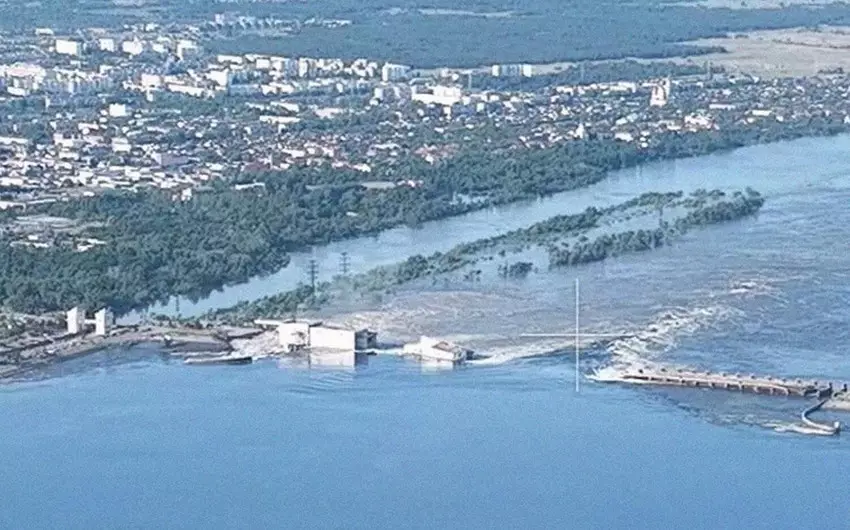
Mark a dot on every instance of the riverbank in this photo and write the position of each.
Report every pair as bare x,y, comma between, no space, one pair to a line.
176,341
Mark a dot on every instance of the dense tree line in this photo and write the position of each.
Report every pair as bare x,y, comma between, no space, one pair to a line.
520,269
740,206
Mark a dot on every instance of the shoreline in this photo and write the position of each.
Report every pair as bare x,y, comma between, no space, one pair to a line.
174,341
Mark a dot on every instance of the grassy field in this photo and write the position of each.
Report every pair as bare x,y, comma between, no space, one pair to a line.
780,53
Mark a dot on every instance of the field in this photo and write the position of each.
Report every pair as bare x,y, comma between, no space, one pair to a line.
781,53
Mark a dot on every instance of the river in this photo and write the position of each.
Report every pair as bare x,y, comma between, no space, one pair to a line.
125,439
768,168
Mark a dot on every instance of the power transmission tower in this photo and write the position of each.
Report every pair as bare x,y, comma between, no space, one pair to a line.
344,263
312,274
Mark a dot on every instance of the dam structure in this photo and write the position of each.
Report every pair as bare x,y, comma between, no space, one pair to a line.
823,392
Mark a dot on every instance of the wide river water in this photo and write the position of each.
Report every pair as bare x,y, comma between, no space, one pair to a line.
126,439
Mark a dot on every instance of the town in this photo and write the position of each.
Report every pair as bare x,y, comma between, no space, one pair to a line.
147,107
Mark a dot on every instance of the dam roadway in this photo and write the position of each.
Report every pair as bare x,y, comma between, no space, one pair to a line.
823,392
707,379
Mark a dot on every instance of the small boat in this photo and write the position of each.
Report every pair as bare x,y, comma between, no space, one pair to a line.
221,359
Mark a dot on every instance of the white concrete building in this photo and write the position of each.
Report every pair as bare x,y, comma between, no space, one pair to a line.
150,81
186,49
107,45
133,47
439,95
512,70
660,94
334,338
68,47
117,110
75,318
222,78
394,72
121,145
437,350
103,321
77,322
230,59
306,67
297,334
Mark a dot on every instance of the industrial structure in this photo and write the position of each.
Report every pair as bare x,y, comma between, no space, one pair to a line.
294,335
437,350
77,322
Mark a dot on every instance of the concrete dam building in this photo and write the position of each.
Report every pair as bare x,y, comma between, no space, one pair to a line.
76,321
437,350
294,335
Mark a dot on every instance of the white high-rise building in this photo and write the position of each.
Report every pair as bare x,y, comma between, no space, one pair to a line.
75,318
506,70
661,92
103,321
394,72
306,67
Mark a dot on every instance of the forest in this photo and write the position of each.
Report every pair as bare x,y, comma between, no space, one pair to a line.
438,33
741,205
473,32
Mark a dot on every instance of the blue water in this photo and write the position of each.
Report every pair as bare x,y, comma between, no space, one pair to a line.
126,439
165,446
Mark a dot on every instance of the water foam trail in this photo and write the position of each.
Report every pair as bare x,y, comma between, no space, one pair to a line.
784,427
515,350
664,332
407,316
